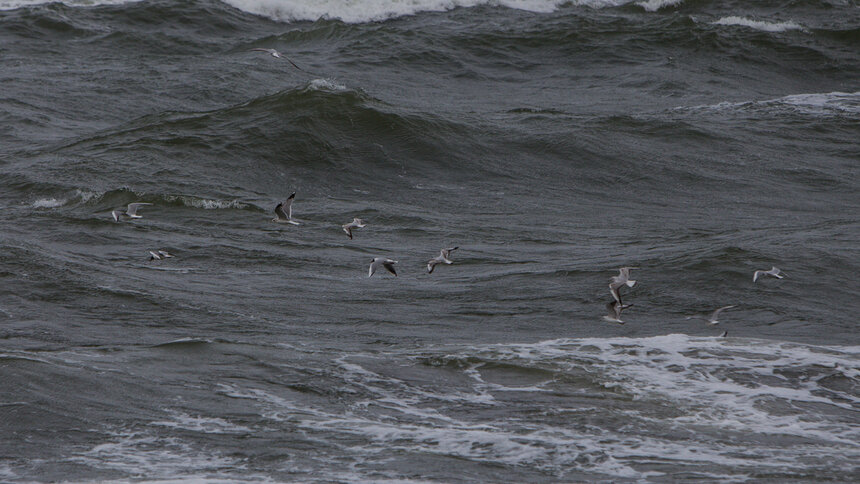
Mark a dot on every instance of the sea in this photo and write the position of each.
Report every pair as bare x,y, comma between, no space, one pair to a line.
551,142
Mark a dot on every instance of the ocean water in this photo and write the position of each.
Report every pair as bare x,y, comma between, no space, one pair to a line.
551,141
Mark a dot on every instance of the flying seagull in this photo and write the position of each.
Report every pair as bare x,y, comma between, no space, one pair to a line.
159,255
381,261
614,314
622,279
773,272
356,223
130,211
278,55
442,257
285,217
713,318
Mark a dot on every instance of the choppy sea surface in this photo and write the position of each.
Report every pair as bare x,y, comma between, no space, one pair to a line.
551,141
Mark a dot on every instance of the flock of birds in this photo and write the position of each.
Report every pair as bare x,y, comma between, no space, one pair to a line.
284,214
616,306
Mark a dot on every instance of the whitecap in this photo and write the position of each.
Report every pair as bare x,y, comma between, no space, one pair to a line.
13,4
207,425
831,103
326,85
655,5
205,203
377,10
759,24
155,457
49,203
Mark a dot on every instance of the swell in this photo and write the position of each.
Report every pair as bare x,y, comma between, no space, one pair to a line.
322,132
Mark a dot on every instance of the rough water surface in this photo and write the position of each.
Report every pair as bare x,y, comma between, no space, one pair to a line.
552,141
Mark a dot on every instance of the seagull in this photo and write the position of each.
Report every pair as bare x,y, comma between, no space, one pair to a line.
615,308
442,257
712,319
381,261
623,278
773,272
278,55
130,211
159,255
356,223
285,217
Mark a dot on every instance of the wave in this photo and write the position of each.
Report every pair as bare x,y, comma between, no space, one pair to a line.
655,5
14,4
329,133
48,203
814,104
199,423
375,10
760,24
761,391
122,196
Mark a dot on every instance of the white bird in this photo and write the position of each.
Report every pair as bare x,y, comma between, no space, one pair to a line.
130,211
159,255
442,257
773,272
381,261
614,314
356,223
713,318
285,216
622,279
278,55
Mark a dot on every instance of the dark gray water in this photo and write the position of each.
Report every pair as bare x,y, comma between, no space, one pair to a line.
553,142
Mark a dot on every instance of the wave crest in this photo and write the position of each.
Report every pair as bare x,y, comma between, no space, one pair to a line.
759,24
378,10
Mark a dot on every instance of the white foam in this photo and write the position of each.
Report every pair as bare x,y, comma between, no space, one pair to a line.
326,85
822,104
826,102
688,372
715,386
6,472
358,11
654,5
13,4
155,457
208,425
48,203
86,196
759,24
205,203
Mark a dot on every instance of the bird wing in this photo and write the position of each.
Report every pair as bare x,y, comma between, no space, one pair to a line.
132,207
718,311
279,211
615,293
447,252
348,230
116,214
294,64
372,269
290,205
390,266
